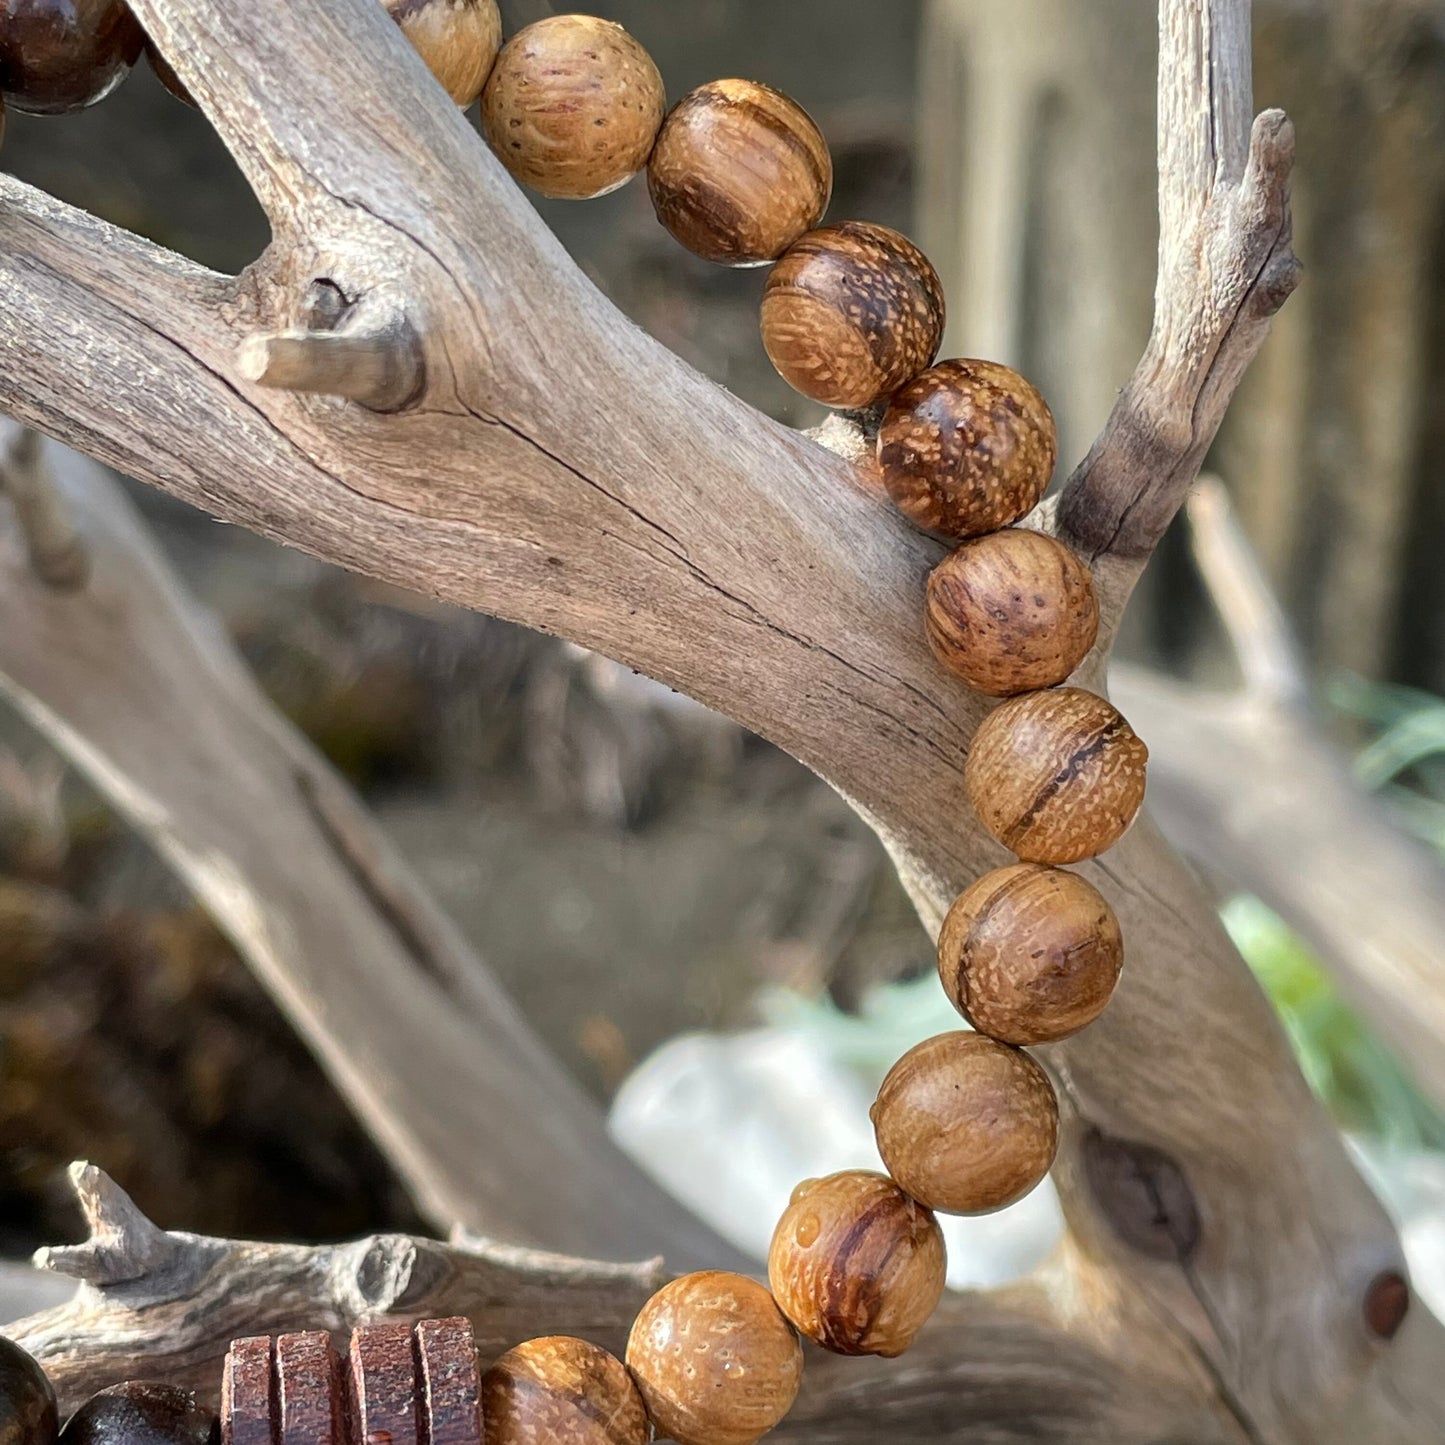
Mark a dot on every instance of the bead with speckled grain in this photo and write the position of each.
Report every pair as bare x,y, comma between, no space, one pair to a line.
561,1391
458,40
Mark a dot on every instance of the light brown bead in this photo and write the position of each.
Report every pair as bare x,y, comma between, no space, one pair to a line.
966,1125
1030,954
966,448
1011,612
851,312
1056,776
573,106
716,1362
856,1264
739,172
458,40
561,1391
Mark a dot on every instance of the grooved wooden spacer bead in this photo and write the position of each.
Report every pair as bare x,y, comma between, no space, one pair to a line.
856,1264
966,448
458,40
714,1359
739,172
966,1125
1011,612
58,56
561,1391
573,106
1057,776
851,312
1030,954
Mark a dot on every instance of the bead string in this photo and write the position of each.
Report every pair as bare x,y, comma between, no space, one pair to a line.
852,317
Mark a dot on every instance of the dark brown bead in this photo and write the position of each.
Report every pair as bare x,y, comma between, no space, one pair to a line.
561,1391
966,1125
27,1401
966,448
1030,954
851,312
458,40
715,1360
1011,612
856,1264
1387,1302
573,106
141,1413
739,172
1057,776
167,75
57,56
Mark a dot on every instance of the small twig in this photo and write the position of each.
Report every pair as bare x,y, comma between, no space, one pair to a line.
57,554
1268,657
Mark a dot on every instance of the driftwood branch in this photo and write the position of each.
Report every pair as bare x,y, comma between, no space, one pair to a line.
561,469
57,556
143,692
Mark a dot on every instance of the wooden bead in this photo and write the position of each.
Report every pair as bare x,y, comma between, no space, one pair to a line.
450,1382
141,1413
856,1264
1011,612
1057,776
58,56
851,312
714,1359
561,1391
966,448
27,1401
573,106
739,172
1030,954
966,1125
165,73
458,40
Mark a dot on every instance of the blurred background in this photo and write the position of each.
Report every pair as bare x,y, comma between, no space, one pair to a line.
699,928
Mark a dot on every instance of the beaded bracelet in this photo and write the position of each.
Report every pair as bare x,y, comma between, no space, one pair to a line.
852,317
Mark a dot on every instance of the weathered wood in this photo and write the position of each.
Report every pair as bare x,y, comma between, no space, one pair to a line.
561,469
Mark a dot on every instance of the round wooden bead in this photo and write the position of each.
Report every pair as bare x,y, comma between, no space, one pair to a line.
1056,776
739,172
851,312
458,40
141,1413
27,1401
58,56
967,447
716,1362
1011,612
165,73
561,1391
573,106
966,1125
1030,954
856,1264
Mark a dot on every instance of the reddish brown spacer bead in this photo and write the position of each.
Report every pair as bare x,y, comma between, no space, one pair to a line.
1011,612
851,312
739,172
1030,954
966,448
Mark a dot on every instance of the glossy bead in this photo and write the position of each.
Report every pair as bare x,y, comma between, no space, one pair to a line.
458,40
856,1264
27,1402
966,1125
739,172
561,1391
57,56
1030,954
714,1359
966,448
573,106
1011,612
851,312
141,1413
165,73
1056,776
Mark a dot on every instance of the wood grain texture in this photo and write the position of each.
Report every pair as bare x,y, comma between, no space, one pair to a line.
451,1382
706,546
250,1410
562,1391
310,1394
457,39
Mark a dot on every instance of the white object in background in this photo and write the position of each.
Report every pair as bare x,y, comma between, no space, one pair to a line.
730,1124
